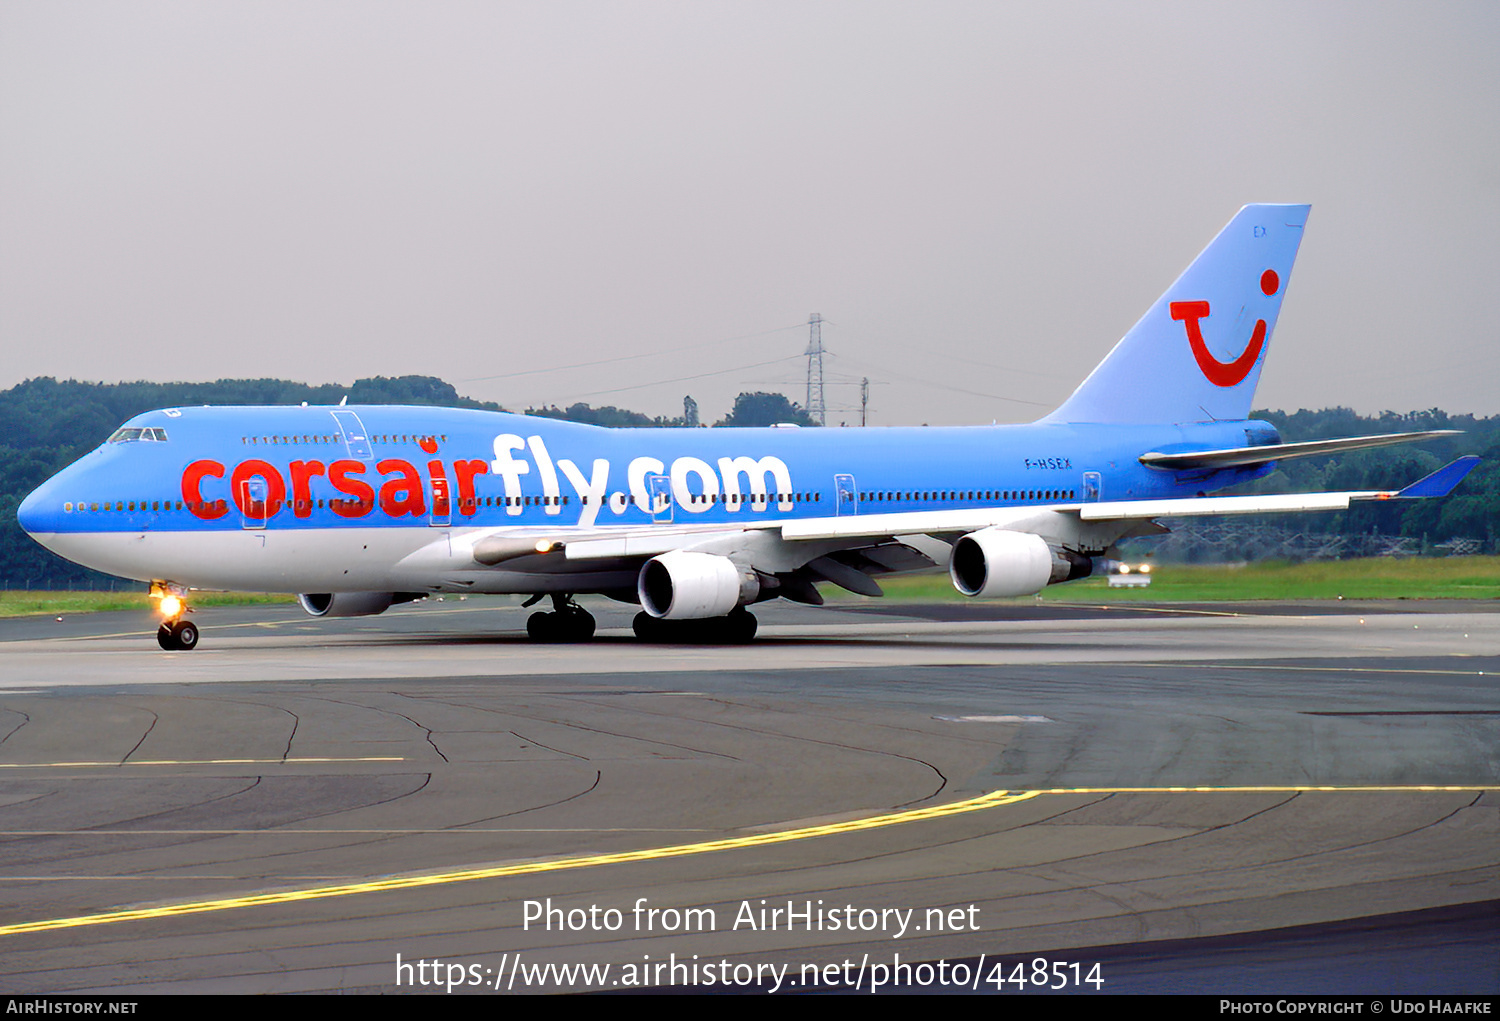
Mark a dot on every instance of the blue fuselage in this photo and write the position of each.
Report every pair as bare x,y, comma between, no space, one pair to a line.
232,468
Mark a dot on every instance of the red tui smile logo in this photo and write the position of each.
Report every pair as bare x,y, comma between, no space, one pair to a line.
1216,372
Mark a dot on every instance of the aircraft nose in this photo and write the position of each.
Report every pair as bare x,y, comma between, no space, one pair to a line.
33,512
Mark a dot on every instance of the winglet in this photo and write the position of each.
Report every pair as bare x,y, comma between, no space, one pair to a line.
1442,481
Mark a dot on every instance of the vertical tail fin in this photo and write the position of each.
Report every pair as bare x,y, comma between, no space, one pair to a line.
1197,354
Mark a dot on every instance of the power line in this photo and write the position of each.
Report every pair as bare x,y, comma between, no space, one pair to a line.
816,409
683,379
906,375
627,358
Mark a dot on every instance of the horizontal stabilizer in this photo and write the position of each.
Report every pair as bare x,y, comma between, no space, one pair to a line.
1442,481
1237,456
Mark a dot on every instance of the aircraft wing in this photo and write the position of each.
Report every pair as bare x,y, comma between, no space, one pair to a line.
507,543
502,544
847,549
1439,483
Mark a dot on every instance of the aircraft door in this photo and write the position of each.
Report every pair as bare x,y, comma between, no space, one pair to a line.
355,437
1093,487
442,510
660,488
253,498
845,496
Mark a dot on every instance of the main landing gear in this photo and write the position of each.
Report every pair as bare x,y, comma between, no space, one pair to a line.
567,622
735,629
176,633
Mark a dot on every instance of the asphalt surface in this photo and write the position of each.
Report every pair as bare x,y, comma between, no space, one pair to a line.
297,802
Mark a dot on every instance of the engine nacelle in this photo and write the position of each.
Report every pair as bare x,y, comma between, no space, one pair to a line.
353,604
993,563
683,585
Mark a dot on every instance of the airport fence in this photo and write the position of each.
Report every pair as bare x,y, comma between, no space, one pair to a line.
99,584
1194,541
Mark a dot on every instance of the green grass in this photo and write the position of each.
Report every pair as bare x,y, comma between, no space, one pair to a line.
21,604
1376,578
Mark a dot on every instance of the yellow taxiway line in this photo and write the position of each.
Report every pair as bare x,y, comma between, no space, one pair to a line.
199,762
993,799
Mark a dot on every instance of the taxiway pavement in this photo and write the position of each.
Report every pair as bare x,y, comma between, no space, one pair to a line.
297,802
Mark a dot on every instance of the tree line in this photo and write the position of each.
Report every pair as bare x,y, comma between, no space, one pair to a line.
1471,512
47,424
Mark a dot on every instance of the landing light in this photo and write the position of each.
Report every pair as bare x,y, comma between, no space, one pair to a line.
170,606
1130,576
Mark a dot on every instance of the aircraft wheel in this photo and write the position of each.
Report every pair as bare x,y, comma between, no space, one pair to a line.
542,627
577,624
740,627
165,638
574,624
735,629
186,633
647,628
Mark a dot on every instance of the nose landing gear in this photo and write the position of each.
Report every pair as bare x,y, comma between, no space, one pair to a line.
176,632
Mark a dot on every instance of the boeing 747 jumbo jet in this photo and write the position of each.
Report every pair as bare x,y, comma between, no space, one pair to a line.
360,508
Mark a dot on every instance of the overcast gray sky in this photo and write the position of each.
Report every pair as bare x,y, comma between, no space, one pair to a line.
980,198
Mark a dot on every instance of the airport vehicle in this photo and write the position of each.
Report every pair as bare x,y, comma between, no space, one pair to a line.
360,508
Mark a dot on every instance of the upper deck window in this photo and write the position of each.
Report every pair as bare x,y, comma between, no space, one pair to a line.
133,435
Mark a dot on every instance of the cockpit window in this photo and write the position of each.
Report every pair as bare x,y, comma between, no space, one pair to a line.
133,435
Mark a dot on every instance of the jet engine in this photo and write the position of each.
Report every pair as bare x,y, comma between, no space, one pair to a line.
995,562
683,585
353,604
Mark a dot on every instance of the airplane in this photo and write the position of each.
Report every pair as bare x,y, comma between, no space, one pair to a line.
358,508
